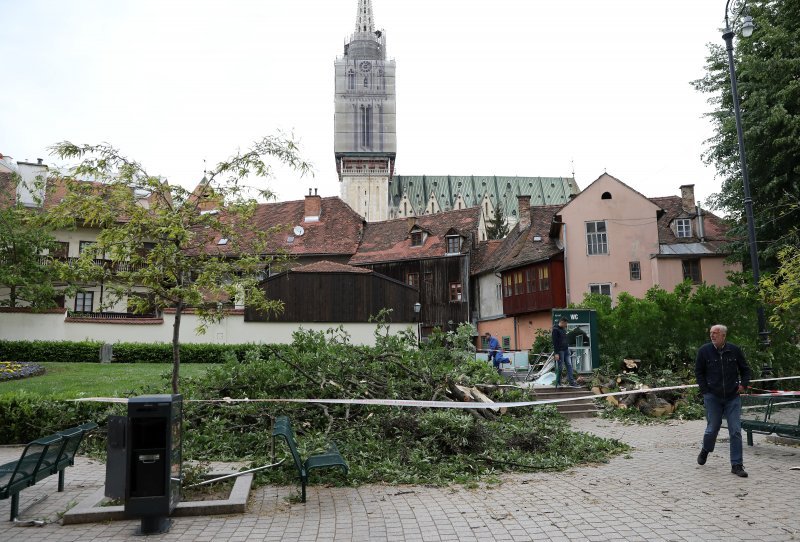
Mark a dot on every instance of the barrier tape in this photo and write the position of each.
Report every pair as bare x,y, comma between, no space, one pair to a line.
435,404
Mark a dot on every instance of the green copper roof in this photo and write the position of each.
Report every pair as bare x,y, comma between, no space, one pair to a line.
503,190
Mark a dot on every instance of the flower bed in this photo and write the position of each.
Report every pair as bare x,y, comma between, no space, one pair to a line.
13,370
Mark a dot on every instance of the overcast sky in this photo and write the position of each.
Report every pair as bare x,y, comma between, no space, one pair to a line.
489,87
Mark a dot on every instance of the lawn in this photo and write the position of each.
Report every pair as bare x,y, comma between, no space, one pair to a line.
74,380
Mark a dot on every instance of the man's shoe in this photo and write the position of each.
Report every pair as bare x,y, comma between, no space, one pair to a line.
738,470
575,385
702,456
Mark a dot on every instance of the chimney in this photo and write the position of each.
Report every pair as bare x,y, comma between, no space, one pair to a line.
313,207
524,212
687,198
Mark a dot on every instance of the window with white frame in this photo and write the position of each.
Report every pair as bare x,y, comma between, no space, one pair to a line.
683,227
453,244
596,237
84,301
602,289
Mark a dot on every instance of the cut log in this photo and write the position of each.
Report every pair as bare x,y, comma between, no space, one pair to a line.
480,397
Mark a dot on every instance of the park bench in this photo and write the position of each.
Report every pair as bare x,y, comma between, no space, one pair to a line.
768,414
41,458
331,458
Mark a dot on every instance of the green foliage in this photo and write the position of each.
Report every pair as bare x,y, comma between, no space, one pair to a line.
89,352
388,444
782,291
497,228
50,351
767,67
665,329
28,275
170,248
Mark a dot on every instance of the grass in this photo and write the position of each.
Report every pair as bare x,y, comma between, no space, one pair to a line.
75,380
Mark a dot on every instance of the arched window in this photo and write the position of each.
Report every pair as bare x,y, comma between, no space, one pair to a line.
606,195
366,82
351,80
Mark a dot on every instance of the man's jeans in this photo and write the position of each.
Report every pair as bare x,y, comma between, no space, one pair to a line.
731,409
564,361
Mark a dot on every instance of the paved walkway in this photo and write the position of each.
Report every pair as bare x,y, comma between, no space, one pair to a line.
657,492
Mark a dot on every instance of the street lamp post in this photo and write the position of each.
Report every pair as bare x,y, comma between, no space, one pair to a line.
418,318
747,31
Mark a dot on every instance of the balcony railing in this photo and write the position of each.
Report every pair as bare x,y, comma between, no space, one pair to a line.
108,315
113,266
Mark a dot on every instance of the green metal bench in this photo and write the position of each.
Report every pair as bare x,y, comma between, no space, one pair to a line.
41,458
768,414
329,459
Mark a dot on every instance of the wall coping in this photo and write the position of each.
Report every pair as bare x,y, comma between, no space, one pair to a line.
134,321
28,310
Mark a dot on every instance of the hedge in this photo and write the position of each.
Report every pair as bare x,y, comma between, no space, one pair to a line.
89,352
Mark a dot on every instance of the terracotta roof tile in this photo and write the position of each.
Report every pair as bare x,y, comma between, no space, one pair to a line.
326,266
532,244
484,256
390,240
715,229
337,231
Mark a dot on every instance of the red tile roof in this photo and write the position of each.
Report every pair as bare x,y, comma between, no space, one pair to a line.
715,229
337,232
326,266
391,240
532,244
484,257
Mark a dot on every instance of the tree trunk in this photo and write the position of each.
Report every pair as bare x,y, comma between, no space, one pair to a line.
176,346
12,297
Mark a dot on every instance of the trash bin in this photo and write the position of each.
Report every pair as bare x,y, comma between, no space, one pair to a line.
144,459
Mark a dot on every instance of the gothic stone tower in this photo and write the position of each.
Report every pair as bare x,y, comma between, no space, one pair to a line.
365,141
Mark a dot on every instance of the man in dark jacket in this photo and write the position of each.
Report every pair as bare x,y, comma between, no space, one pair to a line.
561,352
722,374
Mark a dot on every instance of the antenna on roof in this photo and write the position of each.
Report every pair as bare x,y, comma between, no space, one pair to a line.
572,167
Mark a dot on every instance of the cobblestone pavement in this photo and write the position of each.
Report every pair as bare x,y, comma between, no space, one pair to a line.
657,492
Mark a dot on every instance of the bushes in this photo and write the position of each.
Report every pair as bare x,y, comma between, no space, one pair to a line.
53,351
89,352
665,329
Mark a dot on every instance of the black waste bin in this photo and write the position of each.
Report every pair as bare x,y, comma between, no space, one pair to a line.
144,459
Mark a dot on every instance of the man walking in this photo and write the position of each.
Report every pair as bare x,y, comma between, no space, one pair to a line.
561,352
722,374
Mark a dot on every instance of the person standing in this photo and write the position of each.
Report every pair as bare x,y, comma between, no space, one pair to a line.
561,352
722,375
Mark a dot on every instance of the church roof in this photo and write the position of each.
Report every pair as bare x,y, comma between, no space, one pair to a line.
502,190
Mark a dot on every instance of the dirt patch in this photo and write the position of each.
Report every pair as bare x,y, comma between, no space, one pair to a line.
218,491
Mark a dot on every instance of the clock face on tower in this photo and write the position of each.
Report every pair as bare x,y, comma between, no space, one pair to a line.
366,66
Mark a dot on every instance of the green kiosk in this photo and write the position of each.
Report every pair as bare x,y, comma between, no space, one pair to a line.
581,336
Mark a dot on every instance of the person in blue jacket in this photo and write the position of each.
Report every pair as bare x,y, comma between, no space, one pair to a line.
722,374
495,351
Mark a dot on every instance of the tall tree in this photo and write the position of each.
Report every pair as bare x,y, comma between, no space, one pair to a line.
25,239
497,227
187,249
767,67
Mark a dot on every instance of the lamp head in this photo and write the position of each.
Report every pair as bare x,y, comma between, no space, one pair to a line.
747,26
417,307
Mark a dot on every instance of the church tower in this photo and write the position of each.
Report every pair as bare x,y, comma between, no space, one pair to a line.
365,141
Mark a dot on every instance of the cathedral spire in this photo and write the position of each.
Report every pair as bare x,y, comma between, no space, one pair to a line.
364,20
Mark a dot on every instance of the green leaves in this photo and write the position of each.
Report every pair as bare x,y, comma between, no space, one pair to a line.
767,65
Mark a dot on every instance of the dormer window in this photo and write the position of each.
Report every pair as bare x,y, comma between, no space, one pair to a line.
416,239
453,244
683,227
